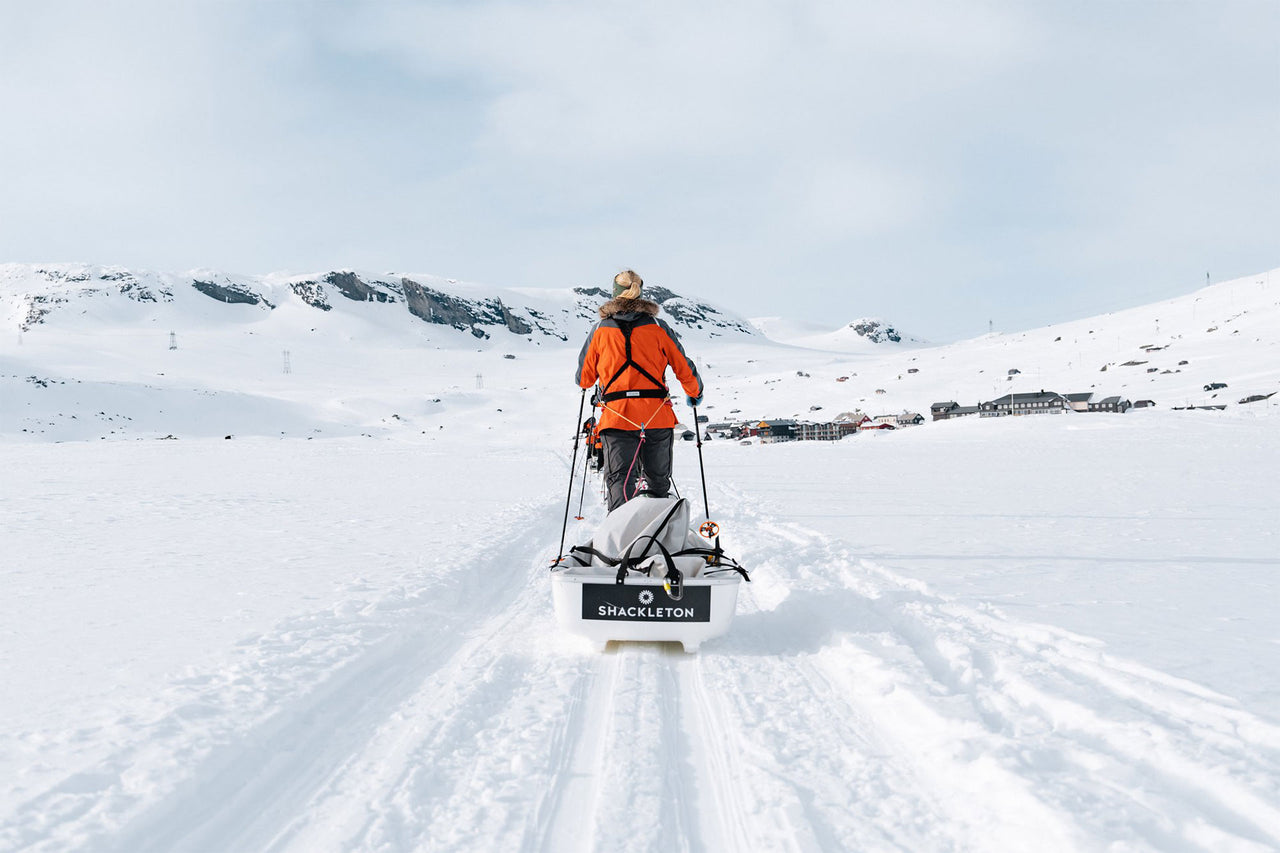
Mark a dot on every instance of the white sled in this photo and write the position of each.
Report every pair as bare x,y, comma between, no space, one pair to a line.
595,606
646,576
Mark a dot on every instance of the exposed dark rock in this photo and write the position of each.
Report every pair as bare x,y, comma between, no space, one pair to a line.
230,293
465,314
658,294
875,331
131,287
698,315
682,312
514,323
350,286
436,307
38,307
312,293
544,324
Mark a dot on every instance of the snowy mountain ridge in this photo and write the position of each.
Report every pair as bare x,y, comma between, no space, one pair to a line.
33,294
100,352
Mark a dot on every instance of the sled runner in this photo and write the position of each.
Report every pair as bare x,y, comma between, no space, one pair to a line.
647,575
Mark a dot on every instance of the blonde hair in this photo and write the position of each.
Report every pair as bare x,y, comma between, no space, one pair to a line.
630,283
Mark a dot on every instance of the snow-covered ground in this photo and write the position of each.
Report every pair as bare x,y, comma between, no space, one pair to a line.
333,631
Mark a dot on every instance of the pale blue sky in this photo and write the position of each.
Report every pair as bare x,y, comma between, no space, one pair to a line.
938,164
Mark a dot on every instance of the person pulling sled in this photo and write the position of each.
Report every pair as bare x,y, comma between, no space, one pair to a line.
627,353
591,436
647,573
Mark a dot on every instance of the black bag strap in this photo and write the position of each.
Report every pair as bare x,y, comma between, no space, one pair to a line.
729,568
658,530
626,326
585,549
718,563
674,577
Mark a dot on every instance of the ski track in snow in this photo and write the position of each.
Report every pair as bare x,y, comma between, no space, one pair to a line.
850,708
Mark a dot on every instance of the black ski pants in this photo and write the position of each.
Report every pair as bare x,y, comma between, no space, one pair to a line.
626,457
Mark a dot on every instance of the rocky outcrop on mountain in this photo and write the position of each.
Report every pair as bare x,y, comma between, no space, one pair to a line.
230,293
39,305
350,285
126,283
682,312
464,314
876,331
312,293
55,286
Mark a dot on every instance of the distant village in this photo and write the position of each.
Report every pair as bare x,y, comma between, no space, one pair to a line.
849,423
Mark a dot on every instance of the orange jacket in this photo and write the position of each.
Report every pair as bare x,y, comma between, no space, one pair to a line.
632,399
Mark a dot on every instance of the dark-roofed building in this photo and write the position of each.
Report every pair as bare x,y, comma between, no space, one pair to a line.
951,409
779,430
1080,402
1035,403
725,429
1111,404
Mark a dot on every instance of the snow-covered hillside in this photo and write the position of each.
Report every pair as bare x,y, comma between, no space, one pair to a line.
860,336
1166,352
333,631
105,352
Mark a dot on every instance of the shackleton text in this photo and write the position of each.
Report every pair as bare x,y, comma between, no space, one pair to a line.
613,611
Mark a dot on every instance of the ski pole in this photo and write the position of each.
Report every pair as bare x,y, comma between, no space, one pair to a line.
697,432
582,492
568,499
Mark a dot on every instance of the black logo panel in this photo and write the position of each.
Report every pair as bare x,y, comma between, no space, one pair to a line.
634,603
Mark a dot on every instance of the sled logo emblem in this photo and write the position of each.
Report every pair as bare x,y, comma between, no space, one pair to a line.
612,602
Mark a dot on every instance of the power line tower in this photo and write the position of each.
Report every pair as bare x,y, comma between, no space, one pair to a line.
288,368
173,340
479,381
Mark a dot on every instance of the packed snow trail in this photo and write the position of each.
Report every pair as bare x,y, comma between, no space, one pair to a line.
849,709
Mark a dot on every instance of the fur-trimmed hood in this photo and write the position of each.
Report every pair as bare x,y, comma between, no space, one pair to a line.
622,305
